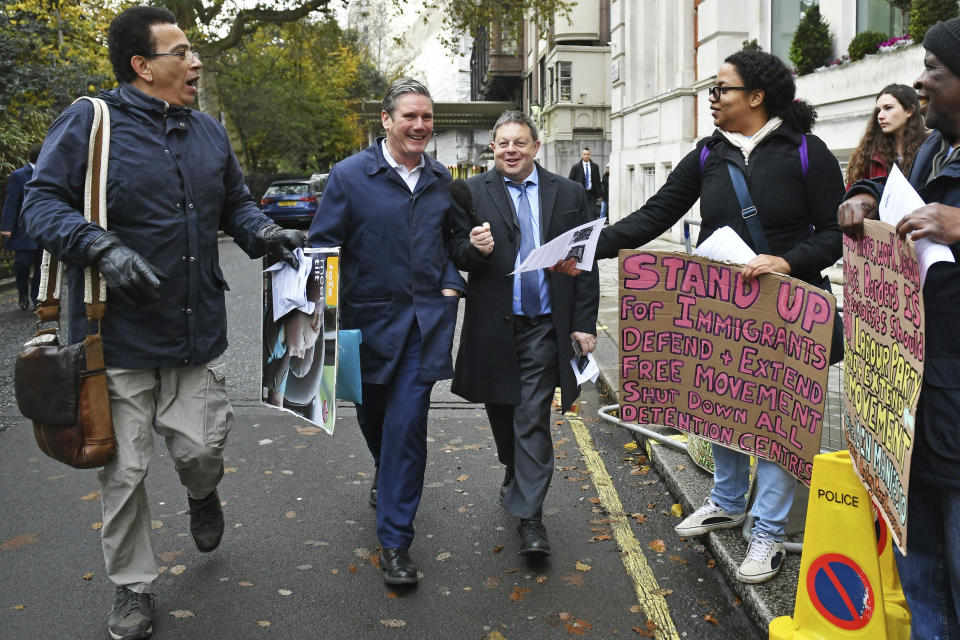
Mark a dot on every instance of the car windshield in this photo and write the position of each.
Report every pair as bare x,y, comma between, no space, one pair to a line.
297,188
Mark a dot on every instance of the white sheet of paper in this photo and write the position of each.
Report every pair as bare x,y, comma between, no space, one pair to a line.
726,246
591,372
289,286
899,199
576,239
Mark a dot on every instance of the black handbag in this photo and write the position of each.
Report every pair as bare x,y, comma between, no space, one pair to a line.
749,212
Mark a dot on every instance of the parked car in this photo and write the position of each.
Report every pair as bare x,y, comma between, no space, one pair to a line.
292,202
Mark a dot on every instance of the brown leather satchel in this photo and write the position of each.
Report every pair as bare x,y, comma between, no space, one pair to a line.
63,388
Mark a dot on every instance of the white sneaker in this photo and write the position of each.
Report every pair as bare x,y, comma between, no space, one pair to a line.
764,558
709,517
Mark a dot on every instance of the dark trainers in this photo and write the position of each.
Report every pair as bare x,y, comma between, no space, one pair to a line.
206,521
709,517
131,616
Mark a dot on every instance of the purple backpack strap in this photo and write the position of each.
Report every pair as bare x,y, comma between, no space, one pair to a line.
804,159
704,152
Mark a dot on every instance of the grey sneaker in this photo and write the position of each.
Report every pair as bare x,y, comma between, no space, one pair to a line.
709,517
132,615
764,558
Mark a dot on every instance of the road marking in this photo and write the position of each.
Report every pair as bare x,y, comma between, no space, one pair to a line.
639,571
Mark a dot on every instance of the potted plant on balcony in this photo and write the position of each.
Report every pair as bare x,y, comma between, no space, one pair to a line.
865,44
812,43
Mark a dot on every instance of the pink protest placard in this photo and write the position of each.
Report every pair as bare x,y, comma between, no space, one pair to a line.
883,364
743,365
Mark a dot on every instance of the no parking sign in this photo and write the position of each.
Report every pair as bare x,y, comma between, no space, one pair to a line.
840,591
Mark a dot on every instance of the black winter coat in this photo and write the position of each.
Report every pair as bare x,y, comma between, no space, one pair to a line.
798,213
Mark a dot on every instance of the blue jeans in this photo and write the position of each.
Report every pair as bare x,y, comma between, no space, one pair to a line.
731,480
930,572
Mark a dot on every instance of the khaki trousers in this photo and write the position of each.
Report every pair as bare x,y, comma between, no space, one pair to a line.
188,406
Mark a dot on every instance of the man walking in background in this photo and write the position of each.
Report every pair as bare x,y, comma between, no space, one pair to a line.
27,255
587,173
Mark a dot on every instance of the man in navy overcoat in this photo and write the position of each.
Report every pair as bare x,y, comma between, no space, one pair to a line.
26,253
385,207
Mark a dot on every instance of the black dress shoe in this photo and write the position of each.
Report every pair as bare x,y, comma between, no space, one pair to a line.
206,521
397,566
533,539
24,302
507,478
373,489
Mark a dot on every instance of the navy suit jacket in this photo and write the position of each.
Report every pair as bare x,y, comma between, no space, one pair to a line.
12,204
394,261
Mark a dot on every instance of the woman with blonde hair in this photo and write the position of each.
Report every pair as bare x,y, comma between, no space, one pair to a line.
893,135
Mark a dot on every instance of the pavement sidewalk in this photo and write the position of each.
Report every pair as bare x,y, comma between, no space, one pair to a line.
690,484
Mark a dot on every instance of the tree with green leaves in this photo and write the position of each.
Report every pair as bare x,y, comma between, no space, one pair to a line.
926,13
288,91
812,44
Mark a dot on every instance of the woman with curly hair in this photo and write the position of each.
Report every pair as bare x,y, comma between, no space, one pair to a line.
796,184
893,134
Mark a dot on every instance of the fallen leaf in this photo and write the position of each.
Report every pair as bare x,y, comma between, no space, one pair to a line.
676,510
511,570
96,526
88,575
581,566
558,422
59,476
541,579
601,537
737,602
518,594
578,627
658,545
393,622
263,623
561,455
92,496
156,524
709,618
268,473
497,549
636,609
593,500
573,580
19,607
290,514
334,571
308,431
491,583
679,560
646,633
391,594
230,469
494,635
286,472
461,510
563,615
661,592
182,613
462,477
711,563
353,569
169,556
23,540
443,556
244,583
177,570
284,592
681,467
630,446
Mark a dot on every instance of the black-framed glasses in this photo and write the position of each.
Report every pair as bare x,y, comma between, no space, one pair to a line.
716,90
189,55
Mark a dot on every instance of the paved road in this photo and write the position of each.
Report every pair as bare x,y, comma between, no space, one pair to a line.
296,558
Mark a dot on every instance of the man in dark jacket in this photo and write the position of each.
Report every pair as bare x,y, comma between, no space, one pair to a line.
385,207
515,345
26,254
930,572
173,182
587,173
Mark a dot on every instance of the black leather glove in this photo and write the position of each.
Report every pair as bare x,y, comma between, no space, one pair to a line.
127,273
281,243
